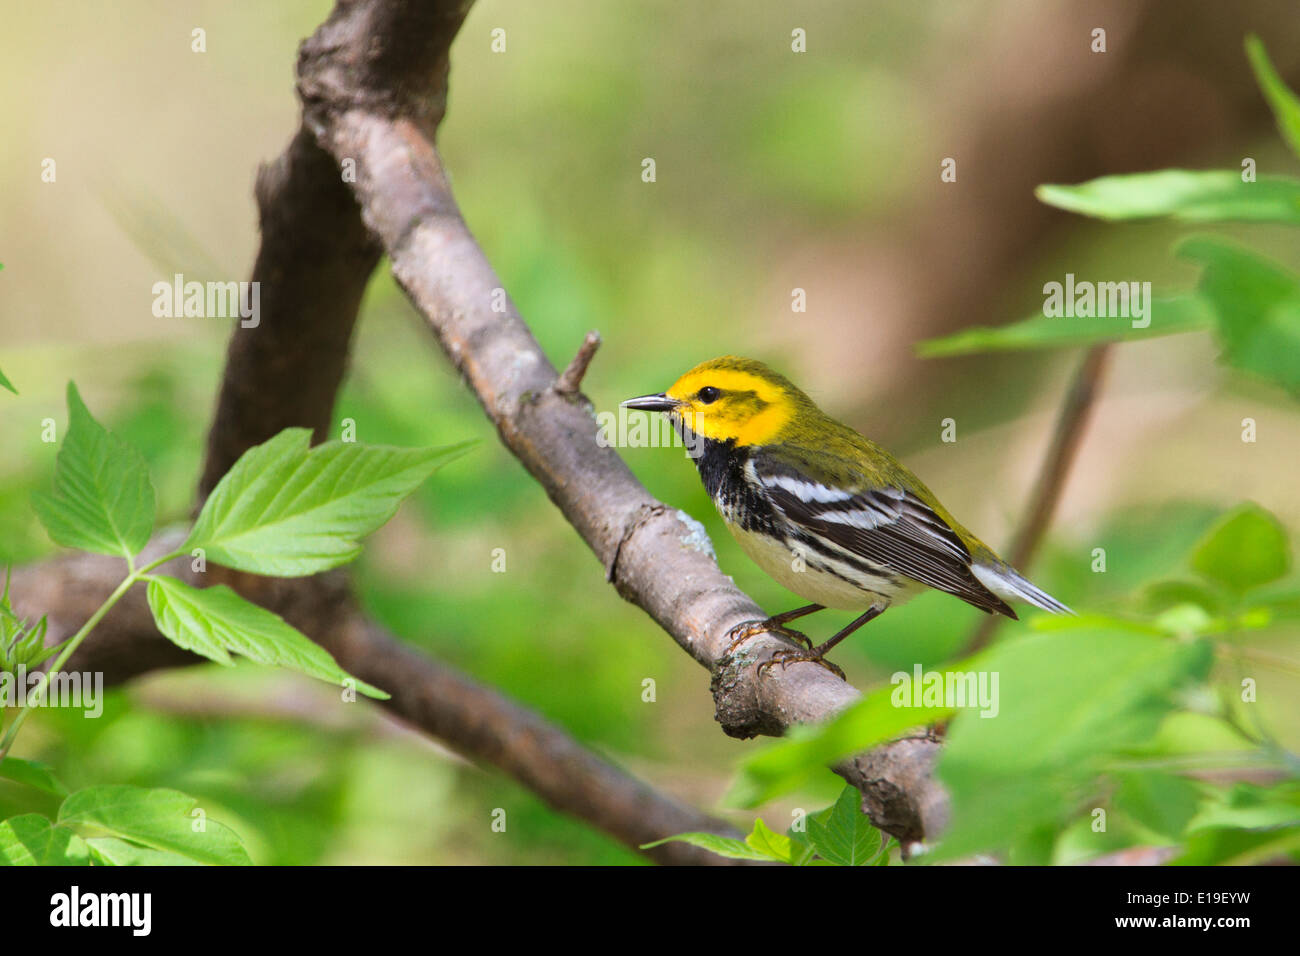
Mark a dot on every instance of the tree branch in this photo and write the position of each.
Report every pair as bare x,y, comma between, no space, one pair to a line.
312,267
471,719
657,558
315,259
1070,426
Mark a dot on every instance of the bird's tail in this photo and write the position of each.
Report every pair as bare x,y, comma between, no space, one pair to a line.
1004,581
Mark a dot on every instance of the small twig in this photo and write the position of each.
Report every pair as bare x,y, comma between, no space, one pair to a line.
571,379
1056,468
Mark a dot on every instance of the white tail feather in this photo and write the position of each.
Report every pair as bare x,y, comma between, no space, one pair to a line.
1006,583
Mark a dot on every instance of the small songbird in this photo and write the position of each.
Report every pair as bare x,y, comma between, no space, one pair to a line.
828,513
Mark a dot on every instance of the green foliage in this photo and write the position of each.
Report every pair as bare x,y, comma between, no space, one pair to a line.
839,835
216,621
1257,307
779,847
1088,695
306,509
102,500
32,773
289,511
1162,803
5,383
110,851
731,848
1078,702
1246,824
1215,195
121,826
31,840
1285,105
806,751
842,835
282,509
1169,316
1249,548
1251,304
21,645
1071,701
161,820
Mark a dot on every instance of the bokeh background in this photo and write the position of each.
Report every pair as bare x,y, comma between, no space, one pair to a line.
775,171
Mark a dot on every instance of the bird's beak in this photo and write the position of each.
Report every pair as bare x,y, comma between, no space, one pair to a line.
653,403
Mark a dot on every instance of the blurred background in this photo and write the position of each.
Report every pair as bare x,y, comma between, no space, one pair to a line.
775,171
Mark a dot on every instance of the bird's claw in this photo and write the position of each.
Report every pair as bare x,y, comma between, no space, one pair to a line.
749,629
785,658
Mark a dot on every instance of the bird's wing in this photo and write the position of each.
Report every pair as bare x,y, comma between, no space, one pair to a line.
889,526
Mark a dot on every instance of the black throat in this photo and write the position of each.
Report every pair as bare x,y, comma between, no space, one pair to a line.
722,469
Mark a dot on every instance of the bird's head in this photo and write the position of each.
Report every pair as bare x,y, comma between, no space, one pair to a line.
729,398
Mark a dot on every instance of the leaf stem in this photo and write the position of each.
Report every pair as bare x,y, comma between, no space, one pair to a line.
38,692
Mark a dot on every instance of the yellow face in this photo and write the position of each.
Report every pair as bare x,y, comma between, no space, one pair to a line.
722,403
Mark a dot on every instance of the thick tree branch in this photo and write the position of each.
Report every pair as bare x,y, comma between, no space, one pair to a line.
657,558
315,259
312,267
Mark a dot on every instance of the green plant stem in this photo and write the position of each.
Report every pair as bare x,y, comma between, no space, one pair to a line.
141,572
38,692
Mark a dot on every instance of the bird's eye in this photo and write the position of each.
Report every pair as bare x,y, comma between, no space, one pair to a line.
708,395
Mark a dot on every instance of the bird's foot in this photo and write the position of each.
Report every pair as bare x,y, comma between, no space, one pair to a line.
749,629
812,656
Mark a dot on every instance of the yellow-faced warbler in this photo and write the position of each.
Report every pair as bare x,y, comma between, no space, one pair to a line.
826,512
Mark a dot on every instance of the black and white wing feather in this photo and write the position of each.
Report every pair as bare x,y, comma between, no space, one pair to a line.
889,528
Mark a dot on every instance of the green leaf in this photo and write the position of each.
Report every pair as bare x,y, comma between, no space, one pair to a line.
110,851
287,510
1285,106
1229,847
32,773
216,621
1247,824
723,846
844,836
1280,601
774,845
1161,802
1168,317
5,383
1247,548
1250,807
102,500
1171,592
1256,304
1184,195
1185,619
21,645
30,840
882,715
30,648
159,819
1069,700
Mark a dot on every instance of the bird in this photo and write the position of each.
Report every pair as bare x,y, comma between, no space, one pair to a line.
822,509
